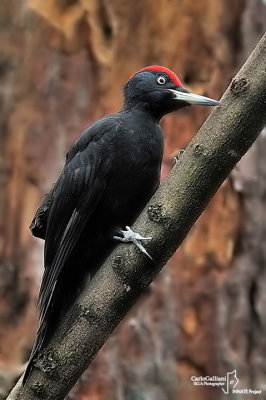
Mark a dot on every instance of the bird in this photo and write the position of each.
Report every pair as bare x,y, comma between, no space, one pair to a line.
110,173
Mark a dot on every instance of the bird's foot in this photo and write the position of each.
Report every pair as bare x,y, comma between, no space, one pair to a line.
176,158
129,236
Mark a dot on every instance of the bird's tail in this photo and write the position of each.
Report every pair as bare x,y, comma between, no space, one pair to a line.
37,346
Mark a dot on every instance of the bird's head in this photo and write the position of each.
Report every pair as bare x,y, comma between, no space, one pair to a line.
158,90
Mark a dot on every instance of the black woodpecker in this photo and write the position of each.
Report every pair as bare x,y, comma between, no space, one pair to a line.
110,173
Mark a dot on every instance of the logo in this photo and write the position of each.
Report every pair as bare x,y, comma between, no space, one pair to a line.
228,383
231,381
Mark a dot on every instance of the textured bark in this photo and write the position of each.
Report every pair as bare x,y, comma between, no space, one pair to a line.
62,64
209,158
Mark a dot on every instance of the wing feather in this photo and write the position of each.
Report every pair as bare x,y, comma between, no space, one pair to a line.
67,209
89,183
74,199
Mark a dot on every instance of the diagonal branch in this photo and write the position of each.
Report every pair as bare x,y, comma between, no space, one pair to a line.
221,142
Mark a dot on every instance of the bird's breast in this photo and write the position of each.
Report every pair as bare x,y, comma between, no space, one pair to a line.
135,173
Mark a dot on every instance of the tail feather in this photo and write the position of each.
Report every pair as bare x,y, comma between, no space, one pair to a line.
35,350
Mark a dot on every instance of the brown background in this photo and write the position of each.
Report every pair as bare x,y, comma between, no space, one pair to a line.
62,65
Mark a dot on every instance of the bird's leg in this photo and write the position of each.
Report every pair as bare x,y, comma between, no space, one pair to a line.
129,236
176,158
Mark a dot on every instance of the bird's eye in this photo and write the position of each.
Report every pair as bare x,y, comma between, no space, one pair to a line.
161,80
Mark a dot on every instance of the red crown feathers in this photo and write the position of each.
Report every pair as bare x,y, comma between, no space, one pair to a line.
167,71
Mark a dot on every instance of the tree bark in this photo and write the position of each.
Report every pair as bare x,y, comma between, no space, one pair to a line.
218,146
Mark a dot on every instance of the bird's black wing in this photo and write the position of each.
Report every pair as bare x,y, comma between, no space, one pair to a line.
76,195
73,200
39,223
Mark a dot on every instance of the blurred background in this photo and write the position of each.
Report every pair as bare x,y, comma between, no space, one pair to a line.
62,65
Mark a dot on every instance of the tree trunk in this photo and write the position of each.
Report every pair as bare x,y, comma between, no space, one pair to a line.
62,64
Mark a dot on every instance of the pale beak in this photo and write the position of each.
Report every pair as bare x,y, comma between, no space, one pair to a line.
194,99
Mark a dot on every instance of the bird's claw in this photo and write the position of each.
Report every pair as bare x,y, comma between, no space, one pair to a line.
176,158
129,236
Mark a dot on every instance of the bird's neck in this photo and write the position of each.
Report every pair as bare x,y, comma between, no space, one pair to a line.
143,108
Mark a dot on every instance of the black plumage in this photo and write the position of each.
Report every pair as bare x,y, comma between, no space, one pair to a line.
110,173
